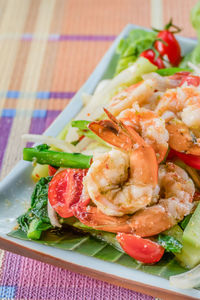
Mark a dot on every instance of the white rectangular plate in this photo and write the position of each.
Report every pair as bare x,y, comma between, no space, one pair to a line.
16,189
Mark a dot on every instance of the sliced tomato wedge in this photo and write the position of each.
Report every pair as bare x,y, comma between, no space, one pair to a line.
52,170
189,159
65,190
140,249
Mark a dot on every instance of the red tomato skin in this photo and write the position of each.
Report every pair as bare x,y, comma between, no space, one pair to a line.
150,55
179,76
65,190
52,170
191,80
172,49
189,159
143,250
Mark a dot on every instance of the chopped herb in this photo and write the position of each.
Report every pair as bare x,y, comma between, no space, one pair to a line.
169,243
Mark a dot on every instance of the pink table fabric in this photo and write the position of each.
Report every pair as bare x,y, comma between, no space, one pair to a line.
24,278
48,48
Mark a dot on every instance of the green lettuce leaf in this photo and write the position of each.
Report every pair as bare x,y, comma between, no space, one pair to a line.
194,56
131,47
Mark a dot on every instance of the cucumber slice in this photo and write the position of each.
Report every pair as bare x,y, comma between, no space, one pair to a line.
176,232
189,256
191,234
40,171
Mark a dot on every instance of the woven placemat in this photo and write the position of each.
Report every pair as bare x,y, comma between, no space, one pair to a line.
48,48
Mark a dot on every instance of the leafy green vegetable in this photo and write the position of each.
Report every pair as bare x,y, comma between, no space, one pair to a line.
84,130
84,243
80,124
194,56
185,60
131,47
170,243
36,219
42,147
185,221
43,156
108,237
171,71
195,18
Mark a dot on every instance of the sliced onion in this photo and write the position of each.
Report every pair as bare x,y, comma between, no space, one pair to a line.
162,82
83,144
187,280
102,84
94,109
196,68
86,98
51,141
52,216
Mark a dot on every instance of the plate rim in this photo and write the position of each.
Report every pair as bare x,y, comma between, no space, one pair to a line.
8,244
113,279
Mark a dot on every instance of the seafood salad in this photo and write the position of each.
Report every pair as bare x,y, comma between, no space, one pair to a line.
129,163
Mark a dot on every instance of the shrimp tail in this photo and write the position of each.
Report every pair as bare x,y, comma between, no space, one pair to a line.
146,222
116,133
93,217
181,139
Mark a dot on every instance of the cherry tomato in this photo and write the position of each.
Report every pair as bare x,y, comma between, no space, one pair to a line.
151,56
189,159
65,190
52,170
191,80
140,249
170,47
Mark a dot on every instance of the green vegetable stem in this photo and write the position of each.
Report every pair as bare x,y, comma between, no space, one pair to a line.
42,155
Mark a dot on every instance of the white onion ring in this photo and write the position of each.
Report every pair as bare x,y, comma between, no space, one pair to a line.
53,216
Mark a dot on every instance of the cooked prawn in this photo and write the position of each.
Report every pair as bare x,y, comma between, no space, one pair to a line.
146,93
121,181
150,127
175,201
180,108
139,93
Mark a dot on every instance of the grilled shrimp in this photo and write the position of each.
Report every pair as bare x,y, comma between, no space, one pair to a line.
150,127
180,108
121,181
146,93
139,92
176,191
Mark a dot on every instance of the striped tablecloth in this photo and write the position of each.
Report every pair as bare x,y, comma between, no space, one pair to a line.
48,48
